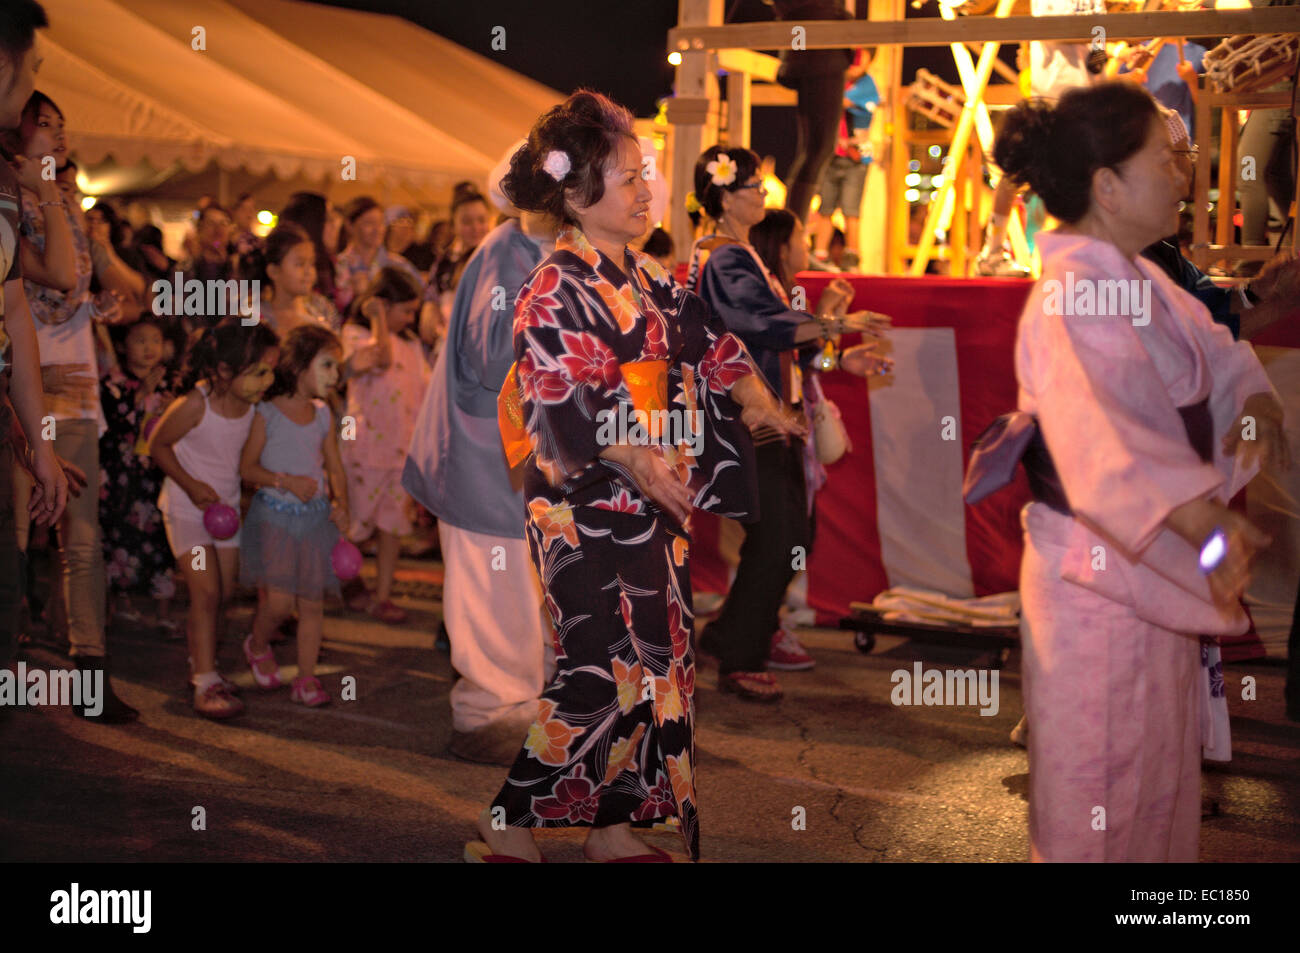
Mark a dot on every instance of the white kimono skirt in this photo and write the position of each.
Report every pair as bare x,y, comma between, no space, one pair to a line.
1114,604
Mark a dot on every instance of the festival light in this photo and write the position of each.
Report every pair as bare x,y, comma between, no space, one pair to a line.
675,58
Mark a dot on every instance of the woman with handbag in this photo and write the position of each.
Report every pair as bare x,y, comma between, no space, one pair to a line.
730,275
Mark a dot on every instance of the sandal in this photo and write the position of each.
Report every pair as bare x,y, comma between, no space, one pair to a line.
264,682
230,687
216,702
307,691
387,612
751,686
478,852
657,857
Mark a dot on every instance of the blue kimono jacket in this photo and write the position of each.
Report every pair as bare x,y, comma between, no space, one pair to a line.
456,467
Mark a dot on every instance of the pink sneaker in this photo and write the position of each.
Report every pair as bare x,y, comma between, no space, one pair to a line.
787,655
307,691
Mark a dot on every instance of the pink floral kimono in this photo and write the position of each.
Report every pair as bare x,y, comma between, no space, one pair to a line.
1114,604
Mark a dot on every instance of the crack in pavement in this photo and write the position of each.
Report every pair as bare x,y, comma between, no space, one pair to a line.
841,795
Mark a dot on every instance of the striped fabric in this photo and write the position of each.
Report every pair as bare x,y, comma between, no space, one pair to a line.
891,513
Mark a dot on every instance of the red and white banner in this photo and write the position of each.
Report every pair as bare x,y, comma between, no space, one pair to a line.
891,513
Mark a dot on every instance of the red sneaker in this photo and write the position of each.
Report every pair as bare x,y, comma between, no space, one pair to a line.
787,655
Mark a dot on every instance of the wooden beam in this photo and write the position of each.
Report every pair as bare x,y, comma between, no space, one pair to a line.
895,150
839,34
1205,251
763,94
695,81
738,104
984,128
960,139
757,65
875,212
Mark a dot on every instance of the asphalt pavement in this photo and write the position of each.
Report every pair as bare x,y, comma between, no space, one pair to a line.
835,772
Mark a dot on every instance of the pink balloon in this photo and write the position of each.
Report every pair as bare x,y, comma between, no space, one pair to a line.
346,560
221,521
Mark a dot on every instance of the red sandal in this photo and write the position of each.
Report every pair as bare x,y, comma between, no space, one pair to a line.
478,852
387,612
749,686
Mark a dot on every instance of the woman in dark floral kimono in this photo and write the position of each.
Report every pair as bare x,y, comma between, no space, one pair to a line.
628,406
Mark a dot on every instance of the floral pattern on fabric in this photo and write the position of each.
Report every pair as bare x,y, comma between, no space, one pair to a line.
614,738
137,556
383,405
352,270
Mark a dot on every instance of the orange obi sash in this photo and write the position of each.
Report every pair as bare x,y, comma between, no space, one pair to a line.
510,420
647,383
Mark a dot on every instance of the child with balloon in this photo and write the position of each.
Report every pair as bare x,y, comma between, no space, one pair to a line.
291,548
196,444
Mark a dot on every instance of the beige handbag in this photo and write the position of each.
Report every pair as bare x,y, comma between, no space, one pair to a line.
830,437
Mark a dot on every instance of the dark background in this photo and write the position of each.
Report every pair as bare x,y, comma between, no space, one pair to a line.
618,48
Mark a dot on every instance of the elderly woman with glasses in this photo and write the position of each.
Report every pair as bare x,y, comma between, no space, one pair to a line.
784,341
1151,418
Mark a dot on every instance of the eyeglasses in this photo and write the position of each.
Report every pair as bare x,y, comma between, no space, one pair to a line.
1191,153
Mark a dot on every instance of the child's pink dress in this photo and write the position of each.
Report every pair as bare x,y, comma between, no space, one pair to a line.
383,404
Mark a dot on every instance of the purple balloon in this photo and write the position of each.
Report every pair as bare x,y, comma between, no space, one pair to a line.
221,521
346,560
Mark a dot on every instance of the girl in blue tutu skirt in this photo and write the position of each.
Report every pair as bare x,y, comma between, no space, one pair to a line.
292,456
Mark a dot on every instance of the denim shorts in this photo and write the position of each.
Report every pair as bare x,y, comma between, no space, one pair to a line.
841,187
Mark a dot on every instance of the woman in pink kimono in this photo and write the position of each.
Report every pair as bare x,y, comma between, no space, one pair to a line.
1149,418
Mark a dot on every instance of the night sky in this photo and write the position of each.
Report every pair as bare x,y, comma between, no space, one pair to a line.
620,50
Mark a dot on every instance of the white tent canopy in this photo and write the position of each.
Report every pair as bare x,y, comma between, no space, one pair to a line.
280,87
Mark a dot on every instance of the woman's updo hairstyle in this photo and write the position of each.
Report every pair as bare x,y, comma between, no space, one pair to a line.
1056,149
708,197
585,129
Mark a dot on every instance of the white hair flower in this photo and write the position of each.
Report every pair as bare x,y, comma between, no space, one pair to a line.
722,169
557,164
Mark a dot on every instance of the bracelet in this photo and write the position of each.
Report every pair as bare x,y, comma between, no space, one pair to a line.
1246,303
59,203
1213,551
